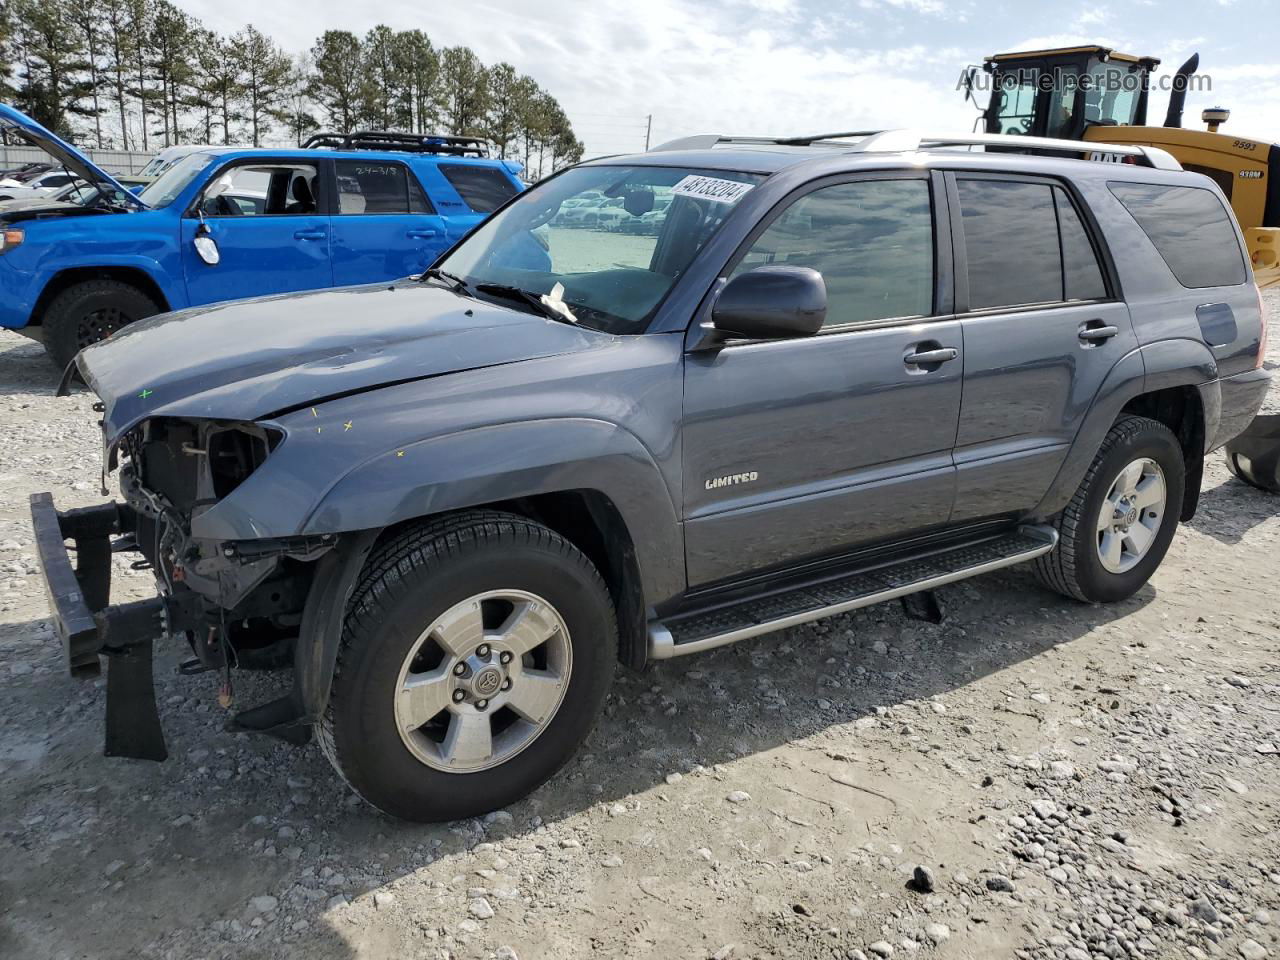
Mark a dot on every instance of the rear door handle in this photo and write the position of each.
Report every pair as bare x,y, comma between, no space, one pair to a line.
309,235
924,357
425,233
1095,331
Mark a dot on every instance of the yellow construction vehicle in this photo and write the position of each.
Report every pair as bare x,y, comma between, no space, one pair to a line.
1094,93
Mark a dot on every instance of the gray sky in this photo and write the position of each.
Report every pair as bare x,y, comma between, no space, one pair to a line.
790,66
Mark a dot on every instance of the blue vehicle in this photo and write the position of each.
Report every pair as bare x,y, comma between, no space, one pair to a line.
229,222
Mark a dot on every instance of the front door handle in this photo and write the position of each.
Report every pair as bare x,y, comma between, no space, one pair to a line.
309,235
1095,331
925,357
425,233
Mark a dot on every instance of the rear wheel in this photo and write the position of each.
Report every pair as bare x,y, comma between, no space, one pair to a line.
90,311
475,658
1118,526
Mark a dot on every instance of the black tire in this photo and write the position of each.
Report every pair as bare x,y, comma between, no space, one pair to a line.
1247,471
90,311
1254,456
411,580
1073,567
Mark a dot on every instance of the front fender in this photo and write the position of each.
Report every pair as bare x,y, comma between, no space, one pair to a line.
1156,366
470,468
508,461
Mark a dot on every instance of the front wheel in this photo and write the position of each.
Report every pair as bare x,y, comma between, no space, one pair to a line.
1118,526
475,658
89,311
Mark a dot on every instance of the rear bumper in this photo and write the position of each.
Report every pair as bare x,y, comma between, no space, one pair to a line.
1242,397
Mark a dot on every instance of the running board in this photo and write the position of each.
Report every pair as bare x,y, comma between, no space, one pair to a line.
704,630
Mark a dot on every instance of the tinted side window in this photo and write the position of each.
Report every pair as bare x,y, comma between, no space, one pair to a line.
483,189
1190,228
371,187
1011,243
872,241
1082,275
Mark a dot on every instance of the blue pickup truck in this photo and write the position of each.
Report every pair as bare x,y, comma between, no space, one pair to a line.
231,222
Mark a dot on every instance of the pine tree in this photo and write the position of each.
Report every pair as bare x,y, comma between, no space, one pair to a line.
118,43
464,89
377,91
418,67
264,72
336,81
503,120
170,40
88,19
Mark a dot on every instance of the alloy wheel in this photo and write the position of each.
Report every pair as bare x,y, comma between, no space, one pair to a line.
483,681
1131,515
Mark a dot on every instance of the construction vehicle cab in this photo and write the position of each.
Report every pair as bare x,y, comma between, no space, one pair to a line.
1062,93
1100,95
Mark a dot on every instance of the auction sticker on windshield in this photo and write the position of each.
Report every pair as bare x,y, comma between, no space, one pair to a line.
711,188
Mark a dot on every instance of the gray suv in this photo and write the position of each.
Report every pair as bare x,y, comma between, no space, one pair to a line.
837,370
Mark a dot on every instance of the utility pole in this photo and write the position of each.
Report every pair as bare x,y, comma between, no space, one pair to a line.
648,129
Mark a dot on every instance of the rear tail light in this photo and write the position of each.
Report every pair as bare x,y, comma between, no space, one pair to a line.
1262,339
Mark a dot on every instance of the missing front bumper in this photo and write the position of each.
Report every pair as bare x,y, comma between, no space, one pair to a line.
89,627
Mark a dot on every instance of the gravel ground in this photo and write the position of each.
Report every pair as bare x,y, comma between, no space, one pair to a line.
1032,778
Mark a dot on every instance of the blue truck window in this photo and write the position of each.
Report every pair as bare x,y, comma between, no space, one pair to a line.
484,189
366,186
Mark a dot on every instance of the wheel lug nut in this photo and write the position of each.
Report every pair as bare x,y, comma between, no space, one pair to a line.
506,684
504,657
481,704
460,669
458,696
482,650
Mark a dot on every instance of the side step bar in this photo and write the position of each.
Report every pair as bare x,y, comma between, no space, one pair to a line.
706,629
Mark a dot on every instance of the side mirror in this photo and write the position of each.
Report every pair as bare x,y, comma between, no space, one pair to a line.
771,302
206,246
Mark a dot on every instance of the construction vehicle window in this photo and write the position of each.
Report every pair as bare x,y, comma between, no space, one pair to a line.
1062,101
483,189
1011,243
1111,97
1190,228
872,241
1081,274
1016,102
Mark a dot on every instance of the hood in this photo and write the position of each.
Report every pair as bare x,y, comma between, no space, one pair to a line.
250,359
67,155
40,208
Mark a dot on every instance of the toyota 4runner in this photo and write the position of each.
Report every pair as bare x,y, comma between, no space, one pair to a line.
838,370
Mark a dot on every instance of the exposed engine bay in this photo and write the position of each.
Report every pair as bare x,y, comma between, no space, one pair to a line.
241,603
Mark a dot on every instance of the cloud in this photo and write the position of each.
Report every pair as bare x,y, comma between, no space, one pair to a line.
745,67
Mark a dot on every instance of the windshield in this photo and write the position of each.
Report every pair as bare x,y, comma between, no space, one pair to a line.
614,238
164,189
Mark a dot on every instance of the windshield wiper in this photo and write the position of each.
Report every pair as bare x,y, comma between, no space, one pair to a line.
455,284
563,314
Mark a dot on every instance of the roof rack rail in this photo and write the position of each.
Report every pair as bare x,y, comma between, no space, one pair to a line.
907,141
437,143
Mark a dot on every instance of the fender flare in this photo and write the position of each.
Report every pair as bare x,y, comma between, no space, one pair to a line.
1155,366
173,289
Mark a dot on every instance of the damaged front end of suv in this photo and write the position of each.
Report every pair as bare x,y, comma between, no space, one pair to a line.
239,445
235,603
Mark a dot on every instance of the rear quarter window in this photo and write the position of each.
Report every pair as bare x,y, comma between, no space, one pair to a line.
483,189
1190,228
